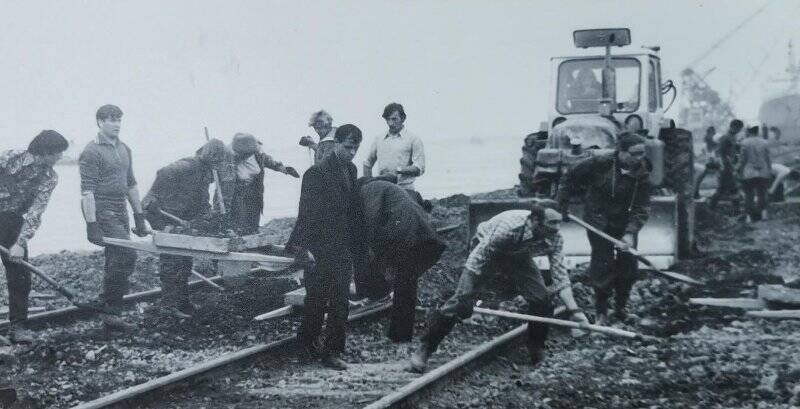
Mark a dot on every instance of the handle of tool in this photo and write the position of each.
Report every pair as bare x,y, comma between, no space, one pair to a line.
207,281
42,275
174,218
216,181
633,252
564,323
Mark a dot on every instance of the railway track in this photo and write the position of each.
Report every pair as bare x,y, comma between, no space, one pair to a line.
268,375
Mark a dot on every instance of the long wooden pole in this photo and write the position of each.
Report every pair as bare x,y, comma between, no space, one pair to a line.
216,181
625,247
564,323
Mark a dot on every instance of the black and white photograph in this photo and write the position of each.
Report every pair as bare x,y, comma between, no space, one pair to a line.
373,204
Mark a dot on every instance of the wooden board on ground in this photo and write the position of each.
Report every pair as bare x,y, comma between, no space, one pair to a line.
295,298
185,241
272,263
779,294
777,314
744,303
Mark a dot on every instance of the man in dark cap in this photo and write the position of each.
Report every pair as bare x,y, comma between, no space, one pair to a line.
503,248
617,201
245,180
323,234
27,180
107,182
755,171
181,189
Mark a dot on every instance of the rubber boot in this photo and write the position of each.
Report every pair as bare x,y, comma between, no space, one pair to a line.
439,326
20,335
537,332
601,309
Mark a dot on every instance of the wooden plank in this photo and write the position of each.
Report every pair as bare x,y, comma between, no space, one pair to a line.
4,310
779,294
744,303
254,241
280,312
295,298
268,262
778,314
184,241
234,268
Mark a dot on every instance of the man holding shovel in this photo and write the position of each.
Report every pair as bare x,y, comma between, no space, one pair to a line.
617,202
27,180
181,190
506,245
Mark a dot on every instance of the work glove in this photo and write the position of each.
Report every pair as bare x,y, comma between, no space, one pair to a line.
140,228
291,172
94,233
306,141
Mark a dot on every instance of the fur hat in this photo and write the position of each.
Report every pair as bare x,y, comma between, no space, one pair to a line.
244,144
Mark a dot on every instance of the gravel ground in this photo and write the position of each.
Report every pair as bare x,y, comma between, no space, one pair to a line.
712,357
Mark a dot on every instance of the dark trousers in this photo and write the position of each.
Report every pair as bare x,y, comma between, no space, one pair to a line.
246,208
327,289
611,271
755,188
174,273
528,282
120,262
17,276
727,188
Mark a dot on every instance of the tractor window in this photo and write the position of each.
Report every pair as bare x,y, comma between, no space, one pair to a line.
580,89
652,89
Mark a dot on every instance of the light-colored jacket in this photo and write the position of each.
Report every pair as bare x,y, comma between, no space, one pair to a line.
755,161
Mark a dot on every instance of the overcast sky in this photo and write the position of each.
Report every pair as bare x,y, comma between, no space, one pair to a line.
462,68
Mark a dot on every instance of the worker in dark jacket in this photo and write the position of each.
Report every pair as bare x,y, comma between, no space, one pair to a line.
245,177
399,245
27,181
323,234
727,151
617,201
181,189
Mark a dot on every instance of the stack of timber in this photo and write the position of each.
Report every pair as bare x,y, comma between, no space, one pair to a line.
774,301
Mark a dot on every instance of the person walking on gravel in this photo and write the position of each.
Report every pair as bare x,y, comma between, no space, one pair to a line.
181,189
505,245
107,182
27,180
323,235
617,201
727,150
755,171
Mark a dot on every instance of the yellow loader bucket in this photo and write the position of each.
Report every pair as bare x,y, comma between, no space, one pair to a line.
658,239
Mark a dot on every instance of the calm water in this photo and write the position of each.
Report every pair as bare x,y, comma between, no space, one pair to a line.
453,166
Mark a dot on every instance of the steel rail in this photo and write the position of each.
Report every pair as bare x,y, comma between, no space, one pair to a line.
244,355
63,313
440,373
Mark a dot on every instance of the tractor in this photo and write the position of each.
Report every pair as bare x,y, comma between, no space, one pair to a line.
593,99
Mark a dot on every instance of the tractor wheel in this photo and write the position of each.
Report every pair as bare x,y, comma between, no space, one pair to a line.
679,177
528,164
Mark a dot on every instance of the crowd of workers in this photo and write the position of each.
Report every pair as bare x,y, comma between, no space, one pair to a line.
373,231
745,168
